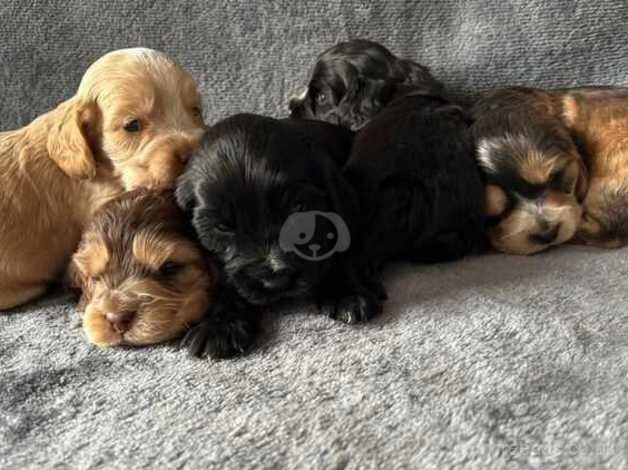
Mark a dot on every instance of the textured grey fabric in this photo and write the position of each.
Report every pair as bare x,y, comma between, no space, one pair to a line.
492,362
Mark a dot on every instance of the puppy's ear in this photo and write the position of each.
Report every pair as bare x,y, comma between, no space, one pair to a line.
376,94
582,184
418,75
495,201
69,138
365,95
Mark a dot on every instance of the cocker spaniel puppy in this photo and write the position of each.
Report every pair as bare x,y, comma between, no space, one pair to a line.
556,163
269,203
142,275
353,80
536,177
133,122
412,161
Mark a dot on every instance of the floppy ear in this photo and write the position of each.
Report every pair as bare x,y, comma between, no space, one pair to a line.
582,184
366,96
68,139
418,75
375,94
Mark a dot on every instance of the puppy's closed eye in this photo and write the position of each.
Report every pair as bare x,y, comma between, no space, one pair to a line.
170,268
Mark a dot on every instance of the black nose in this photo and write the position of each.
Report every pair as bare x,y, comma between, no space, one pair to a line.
547,237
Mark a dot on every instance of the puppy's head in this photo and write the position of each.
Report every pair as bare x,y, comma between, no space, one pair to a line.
243,189
136,117
536,181
353,80
143,277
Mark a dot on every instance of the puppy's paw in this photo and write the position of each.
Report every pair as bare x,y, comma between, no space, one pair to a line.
220,340
351,309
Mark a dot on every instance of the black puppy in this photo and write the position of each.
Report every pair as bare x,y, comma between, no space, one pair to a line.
412,161
353,80
269,203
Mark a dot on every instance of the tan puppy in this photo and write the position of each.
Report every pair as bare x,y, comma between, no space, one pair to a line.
133,122
142,275
556,166
597,119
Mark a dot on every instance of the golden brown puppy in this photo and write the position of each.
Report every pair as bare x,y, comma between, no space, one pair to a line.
133,122
142,275
597,119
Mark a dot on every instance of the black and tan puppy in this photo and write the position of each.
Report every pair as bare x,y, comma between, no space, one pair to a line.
142,275
536,178
412,161
270,205
556,163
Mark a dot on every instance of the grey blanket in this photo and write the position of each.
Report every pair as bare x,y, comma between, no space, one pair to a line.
492,362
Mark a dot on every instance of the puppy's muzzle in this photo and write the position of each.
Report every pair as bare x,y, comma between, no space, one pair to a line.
546,237
272,278
120,319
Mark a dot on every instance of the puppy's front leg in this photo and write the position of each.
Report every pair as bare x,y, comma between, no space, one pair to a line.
229,328
12,295
344,297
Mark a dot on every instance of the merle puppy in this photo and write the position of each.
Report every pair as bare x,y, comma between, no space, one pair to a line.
412,161
269,203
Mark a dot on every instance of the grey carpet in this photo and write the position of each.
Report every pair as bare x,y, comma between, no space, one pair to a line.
493,362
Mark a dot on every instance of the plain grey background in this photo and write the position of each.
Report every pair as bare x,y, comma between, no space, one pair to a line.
492,362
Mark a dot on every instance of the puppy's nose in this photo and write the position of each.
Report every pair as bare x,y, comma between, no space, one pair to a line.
547,237
120,320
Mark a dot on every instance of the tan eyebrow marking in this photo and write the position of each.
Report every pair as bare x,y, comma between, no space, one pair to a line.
153,250
537,170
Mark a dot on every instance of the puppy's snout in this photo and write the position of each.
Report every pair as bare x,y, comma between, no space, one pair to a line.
274,277
120,319
546,237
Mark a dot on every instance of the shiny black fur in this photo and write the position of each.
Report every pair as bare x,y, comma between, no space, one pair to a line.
420,190
412,162
251,174
353,80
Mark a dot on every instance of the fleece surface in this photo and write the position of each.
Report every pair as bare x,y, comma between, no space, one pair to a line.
493,362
